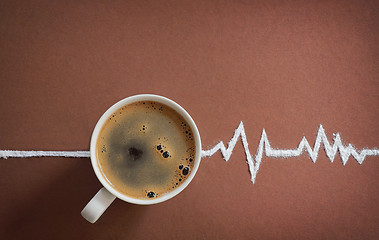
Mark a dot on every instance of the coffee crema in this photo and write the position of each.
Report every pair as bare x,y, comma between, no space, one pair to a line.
145,149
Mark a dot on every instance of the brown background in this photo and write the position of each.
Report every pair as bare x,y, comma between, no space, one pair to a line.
286,66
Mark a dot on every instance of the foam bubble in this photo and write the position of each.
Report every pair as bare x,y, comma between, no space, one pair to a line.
166,154
151,194
185,171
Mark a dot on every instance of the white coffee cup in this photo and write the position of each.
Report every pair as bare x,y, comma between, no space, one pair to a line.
106,195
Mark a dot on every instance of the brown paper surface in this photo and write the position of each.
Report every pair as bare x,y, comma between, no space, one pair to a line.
285,66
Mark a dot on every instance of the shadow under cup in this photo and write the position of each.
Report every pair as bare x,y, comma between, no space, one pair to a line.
145,149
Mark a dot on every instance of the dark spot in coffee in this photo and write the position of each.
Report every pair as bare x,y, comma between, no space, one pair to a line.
166,154
151,194
190,159
180,166
185,171
135,153
159,147
161,151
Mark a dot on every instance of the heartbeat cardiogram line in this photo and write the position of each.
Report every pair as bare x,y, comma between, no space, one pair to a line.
265,147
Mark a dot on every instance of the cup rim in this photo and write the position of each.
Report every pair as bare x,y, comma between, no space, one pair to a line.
137,98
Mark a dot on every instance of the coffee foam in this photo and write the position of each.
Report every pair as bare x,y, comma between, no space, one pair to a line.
145,149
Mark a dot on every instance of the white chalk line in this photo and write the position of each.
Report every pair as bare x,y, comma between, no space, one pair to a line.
23,154
264,147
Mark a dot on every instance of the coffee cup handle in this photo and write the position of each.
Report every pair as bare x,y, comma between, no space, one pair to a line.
98,204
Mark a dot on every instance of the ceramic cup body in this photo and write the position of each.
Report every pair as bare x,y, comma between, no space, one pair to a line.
129,100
